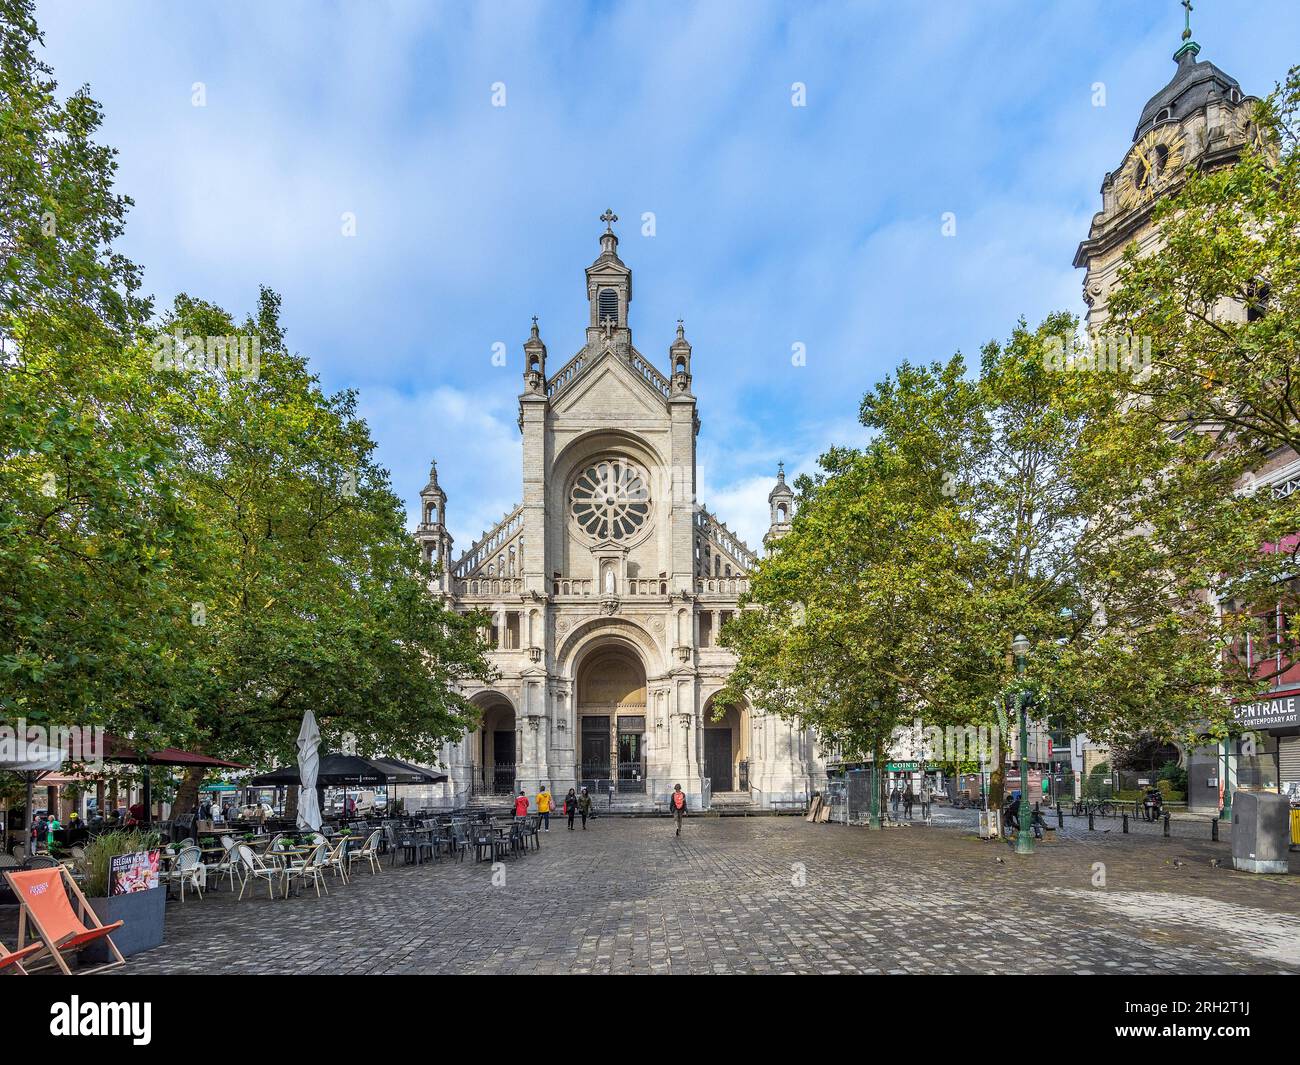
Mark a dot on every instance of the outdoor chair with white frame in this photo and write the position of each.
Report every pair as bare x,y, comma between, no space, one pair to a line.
310,868
367,852
337,859
188,869
254,868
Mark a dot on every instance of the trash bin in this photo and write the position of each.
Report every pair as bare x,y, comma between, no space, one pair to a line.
1261,832
990,824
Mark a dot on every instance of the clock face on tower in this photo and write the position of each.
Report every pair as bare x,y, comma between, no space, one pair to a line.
1150,163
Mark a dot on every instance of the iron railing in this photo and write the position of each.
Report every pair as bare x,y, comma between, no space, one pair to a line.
492,779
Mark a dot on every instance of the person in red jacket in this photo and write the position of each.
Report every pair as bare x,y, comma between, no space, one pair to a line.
677,802
521,804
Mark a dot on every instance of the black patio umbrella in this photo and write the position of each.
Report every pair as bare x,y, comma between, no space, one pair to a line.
406,773
338,770
351,770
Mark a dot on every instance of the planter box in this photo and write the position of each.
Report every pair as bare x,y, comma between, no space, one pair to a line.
142,915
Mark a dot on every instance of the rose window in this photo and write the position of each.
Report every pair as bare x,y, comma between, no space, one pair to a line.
610,499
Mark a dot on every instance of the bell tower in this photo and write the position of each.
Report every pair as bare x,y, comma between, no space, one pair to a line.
609,291
1200,120
431,534
780,502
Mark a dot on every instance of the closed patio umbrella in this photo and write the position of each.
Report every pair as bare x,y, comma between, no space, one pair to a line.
308,767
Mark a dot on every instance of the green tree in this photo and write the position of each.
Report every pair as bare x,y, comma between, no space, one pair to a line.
89,514
306,590
1028,499
1219,301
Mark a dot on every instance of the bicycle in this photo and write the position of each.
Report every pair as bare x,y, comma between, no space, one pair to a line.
1100,807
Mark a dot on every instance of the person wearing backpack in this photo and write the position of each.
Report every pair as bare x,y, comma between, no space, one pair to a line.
677,803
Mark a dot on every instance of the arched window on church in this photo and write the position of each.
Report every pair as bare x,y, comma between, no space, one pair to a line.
491,570
607,305
717,565
511,573
780,512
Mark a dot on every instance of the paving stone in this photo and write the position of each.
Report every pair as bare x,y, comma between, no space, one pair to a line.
626,897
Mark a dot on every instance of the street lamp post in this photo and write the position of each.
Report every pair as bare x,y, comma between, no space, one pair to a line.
1024,837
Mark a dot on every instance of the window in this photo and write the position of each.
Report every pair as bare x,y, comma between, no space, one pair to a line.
607,306
610,499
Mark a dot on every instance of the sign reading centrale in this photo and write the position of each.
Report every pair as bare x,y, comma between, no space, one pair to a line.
1283,711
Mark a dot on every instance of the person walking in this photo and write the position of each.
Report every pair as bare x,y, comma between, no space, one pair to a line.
894,799
544,807
927,797
571,807
908,799
521,804
584,807
677,802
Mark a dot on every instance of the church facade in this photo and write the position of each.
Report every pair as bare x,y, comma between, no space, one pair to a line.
608,585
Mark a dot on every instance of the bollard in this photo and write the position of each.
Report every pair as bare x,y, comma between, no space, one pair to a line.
1091,826
1166,825
1214,828
1060,817
1125,824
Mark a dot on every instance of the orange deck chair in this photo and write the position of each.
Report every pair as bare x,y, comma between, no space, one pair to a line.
11,961
46,898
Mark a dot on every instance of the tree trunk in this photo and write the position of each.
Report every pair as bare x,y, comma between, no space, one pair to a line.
997,776
187,795
882,796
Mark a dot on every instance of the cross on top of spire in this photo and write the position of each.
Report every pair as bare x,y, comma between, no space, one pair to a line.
1187,20
609,217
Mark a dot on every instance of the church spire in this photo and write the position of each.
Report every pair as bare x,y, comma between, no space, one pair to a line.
609,289
1189,46
679,358
535,361
431,534
780,502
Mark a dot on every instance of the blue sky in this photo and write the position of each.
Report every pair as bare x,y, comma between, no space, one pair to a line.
775,224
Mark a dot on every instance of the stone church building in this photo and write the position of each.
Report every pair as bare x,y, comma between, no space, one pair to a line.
608,585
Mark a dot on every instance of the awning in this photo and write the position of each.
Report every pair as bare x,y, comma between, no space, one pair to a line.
128,752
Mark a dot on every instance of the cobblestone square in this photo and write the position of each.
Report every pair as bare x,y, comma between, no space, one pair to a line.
766,895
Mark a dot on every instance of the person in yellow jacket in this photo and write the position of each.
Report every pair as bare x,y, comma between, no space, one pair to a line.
544,807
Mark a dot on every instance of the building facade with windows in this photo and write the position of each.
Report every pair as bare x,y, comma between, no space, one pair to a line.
608,585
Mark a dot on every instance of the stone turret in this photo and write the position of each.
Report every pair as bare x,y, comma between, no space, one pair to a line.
780,502
432,535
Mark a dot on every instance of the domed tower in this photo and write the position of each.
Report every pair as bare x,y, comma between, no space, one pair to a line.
780,502
431,534
1199,120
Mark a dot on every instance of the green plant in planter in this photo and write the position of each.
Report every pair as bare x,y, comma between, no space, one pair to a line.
108,845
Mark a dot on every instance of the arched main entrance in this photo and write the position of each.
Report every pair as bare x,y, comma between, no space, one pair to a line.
494,747
611,701
726,749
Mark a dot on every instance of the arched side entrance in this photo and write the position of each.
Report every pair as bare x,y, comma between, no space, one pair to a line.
726,749
611,704
493,747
